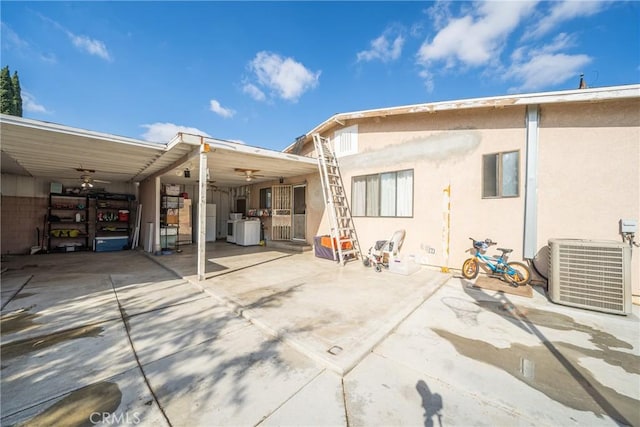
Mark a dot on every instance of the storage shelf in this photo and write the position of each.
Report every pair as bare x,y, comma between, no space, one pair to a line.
72,196
66,222
63,203
64,250
108,205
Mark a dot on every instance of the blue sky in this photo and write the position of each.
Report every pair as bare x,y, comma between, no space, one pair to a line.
263,73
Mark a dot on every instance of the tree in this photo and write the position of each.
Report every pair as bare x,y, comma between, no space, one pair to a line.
17,94
7,104
10,93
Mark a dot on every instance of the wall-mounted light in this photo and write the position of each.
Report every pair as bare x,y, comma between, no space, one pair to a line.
281,180
187,173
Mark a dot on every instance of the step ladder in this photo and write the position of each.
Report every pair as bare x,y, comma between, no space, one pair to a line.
343,231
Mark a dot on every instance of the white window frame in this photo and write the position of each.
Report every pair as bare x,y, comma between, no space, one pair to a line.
345,141
371,205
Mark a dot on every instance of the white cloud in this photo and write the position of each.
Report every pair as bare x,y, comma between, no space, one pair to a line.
12,41
285,77
427,78
84,43
11,38
220,110
253,91
540,67
439,13
544,67
164,132
386,48
91,46
477,38
30,104
562,11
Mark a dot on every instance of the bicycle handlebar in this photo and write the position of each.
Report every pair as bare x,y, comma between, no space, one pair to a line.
487,241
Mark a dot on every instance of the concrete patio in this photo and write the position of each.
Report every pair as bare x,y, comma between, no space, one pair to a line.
282,338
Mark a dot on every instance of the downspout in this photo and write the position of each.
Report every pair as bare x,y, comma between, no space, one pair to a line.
530,246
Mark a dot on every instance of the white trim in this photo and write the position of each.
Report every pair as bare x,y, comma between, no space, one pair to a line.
215,143
574,95
54,127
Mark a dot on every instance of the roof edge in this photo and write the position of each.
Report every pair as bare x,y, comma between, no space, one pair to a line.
214,143
55,127
572,95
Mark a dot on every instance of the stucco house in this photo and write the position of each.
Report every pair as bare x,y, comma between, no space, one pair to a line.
519,169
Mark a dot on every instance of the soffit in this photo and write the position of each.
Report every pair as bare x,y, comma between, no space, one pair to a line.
51,151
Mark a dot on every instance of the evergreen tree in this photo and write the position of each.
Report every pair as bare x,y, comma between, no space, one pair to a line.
7,104
17,94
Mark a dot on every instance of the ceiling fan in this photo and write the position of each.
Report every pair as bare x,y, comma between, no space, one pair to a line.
249,174
87,180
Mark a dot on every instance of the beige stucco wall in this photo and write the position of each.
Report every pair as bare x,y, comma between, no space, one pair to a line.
589,173
588,176
443,149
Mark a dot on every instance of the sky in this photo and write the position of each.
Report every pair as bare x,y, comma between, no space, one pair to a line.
264,73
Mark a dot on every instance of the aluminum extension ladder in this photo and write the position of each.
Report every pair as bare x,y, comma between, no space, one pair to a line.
343,231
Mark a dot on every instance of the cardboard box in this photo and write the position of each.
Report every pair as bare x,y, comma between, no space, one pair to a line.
172,190
56,188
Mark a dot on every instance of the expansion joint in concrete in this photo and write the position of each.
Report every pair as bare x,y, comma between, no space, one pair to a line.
125,321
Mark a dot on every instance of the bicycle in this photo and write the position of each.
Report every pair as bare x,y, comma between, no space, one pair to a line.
514,272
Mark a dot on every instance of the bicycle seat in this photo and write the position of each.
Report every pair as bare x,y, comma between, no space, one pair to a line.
505,251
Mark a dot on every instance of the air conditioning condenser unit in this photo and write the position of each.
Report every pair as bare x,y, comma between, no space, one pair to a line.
590,274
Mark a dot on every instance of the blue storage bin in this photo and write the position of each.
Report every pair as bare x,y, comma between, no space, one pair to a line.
107,244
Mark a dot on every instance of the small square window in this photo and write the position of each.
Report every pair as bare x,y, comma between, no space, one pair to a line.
500,174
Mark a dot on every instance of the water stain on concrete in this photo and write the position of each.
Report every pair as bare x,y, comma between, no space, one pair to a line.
84,407
553,369
17,321
518,314
23,295
29,345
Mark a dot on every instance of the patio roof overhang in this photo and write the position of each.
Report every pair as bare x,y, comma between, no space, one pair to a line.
52,151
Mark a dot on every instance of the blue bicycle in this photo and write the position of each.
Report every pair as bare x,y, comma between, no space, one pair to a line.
516,273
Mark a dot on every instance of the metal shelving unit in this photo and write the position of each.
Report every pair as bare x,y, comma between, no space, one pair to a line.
113,216
67,223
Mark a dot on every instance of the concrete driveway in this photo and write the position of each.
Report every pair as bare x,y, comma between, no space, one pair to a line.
277,338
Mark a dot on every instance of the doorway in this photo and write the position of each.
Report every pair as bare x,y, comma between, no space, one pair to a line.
299,212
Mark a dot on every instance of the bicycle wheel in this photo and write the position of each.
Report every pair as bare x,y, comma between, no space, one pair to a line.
520,273
470,269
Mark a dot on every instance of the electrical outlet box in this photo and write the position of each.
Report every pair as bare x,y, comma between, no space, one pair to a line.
628,226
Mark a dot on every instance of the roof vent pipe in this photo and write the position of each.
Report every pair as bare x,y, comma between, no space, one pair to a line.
583,84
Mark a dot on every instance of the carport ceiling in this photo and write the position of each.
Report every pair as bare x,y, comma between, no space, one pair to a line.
227,162
52,151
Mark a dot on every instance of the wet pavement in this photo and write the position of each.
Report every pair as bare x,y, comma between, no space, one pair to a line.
116,338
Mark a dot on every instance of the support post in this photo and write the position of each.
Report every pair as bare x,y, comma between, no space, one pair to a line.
202,211
530,248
